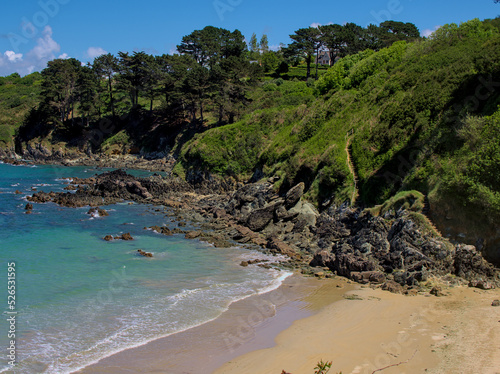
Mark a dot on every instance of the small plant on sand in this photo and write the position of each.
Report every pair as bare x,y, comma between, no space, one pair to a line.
323,367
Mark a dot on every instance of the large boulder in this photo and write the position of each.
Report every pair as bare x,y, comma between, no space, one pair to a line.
260,218
293,195
469,264
323,259
136,188
306,216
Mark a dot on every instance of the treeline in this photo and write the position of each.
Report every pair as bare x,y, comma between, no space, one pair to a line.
213,69
212,64
343,40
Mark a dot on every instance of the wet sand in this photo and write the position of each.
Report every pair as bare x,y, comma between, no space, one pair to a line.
248,325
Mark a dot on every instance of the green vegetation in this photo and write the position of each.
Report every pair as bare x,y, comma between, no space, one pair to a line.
409,200
425,119
17,96
421,115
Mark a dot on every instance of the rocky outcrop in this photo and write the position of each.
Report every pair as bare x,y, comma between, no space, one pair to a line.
391,252
372,249
144,254
125,236
217,240
97,212
469,264
161,230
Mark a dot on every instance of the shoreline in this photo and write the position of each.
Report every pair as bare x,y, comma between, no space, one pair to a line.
247,325
358,328
151,357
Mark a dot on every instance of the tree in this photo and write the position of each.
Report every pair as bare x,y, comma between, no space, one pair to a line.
393,31
174,70
106,66
152,79
271,61
133,74
264,44
254,45
331,35
208,46
230,81
306,43
196,85
87,88
59,87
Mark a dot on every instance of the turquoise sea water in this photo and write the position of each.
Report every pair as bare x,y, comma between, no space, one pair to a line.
79,298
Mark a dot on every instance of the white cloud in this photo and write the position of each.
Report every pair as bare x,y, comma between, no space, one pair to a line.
45,46
44,50
428,32
94,52
13,56
317,24
64,56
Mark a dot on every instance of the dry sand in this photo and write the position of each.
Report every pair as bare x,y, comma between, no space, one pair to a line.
458,333
308,320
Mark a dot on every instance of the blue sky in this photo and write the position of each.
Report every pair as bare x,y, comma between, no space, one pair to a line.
33,32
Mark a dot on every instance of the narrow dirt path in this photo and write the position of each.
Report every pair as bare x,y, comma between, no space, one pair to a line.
352,170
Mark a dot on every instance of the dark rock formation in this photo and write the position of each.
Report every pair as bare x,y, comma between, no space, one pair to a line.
260,218
161,230
97,212
293,195
392,252
144,254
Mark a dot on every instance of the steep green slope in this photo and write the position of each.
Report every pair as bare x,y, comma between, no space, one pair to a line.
17,96
421,116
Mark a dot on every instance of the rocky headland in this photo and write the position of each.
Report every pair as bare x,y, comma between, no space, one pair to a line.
395,252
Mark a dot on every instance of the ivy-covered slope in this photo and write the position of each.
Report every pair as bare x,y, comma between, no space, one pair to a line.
420,116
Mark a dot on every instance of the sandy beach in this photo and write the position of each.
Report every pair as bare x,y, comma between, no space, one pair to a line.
373,329
307,320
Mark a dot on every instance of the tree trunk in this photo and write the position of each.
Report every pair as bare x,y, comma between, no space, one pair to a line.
317,60
201,111
221,113
111,96
308,62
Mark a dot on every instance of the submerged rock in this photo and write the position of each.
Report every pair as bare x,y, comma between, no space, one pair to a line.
143,253
97,212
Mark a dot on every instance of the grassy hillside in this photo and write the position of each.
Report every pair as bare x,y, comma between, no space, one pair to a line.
17,96
420,116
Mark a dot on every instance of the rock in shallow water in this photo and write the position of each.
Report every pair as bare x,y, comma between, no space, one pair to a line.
143,253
